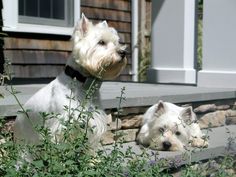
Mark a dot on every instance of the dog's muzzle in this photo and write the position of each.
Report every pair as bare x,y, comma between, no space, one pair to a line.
122,54
166,145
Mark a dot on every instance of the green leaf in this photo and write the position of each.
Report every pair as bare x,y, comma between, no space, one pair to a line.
69,162
38,164
1,95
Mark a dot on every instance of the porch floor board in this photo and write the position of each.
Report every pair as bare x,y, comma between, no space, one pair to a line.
137,94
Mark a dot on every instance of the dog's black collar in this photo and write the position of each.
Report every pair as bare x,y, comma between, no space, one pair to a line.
69,71
88,82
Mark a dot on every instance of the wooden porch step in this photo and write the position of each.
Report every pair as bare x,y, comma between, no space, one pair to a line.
137,94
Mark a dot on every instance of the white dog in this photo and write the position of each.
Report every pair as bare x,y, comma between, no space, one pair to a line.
170,127
97,54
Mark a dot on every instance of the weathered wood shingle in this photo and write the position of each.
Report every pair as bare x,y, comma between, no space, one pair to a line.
42,56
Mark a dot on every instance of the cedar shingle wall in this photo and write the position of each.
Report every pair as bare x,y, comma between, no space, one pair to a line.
36,58
1,41
43,56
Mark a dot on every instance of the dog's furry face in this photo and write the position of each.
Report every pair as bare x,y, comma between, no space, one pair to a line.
168,127
97,49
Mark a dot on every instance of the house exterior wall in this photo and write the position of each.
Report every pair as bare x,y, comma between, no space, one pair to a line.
219,49
36,56
1,42
43,56
173,42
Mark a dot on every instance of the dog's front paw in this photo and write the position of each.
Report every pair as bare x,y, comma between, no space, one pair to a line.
199,142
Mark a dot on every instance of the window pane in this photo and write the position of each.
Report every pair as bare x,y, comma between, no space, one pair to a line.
58,11
21,7
31,8
45,7
46,12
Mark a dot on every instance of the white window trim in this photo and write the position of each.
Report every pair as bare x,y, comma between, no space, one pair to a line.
11,23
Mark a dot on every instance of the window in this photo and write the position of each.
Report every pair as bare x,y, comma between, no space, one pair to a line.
46,12
41,16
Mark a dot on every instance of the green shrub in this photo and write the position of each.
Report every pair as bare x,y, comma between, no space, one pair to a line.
70,155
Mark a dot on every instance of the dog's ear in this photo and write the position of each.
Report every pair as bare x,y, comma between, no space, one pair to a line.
81,28
82,25
187,115
103,24
113,30
160,109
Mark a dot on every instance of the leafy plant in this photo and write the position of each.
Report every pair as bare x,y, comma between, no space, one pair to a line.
70,155
199,47
144,63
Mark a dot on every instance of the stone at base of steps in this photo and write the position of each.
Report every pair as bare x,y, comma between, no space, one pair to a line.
222,141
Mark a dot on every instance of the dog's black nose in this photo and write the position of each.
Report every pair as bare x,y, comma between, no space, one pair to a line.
166,145
122,53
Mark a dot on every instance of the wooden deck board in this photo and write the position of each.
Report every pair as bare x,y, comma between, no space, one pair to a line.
137,94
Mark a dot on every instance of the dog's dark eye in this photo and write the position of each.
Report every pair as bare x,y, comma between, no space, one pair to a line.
178,133
101,42
161,130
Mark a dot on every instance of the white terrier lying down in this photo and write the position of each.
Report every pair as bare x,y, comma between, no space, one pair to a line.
171,128
97,54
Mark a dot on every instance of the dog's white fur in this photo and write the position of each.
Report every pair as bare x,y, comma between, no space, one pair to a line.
169,127
96,53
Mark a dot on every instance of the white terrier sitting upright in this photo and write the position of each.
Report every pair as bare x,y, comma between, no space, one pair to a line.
97,54
171,128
